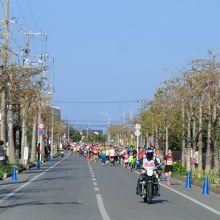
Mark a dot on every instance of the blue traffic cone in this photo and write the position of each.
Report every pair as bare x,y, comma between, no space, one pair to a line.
14,174
206,186
188,181
38,164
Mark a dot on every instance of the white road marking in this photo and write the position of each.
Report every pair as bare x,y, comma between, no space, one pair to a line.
93,176
94,179
190,198
96,189
102,209
29,182
95,184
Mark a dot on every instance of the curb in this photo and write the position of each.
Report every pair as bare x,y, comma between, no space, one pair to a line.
212,187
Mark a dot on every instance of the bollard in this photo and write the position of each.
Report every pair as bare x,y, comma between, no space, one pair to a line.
188,181
38,164
206,187
14,174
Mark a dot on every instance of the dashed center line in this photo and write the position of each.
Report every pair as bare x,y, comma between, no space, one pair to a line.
95,184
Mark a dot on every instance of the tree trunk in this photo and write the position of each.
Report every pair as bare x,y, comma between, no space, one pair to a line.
215,144
12,157
3,115
189,144
34,139
167,139
183,136
156,137
209,133
24,129
200,165
194,141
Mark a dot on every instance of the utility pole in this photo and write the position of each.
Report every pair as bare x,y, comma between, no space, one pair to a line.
28,34
5,65
52,125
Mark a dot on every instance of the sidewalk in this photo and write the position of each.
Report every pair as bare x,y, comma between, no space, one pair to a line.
196,183
7,185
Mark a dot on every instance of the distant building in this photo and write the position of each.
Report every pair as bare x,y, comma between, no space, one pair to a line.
56,113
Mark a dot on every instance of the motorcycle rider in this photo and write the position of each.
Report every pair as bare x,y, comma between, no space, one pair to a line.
149,161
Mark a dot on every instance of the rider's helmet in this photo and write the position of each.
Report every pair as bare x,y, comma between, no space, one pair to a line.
149,154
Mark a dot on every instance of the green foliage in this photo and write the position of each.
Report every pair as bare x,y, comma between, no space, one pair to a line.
75,135
213,176
179,169
5,168
94,138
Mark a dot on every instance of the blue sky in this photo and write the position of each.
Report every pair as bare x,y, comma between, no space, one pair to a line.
113,50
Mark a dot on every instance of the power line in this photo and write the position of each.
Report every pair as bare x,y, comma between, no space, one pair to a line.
91,121
22,15
100,102
33,17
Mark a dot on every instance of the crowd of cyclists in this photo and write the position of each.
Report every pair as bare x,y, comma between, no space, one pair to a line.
126,156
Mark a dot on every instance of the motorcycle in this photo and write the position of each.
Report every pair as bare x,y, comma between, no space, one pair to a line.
148,186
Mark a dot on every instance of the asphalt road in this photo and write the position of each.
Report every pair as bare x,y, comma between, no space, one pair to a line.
76,189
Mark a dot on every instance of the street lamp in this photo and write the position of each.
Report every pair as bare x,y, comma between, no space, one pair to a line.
109,122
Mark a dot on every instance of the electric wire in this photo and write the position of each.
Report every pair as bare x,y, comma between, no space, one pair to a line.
22,15
33,17
99,102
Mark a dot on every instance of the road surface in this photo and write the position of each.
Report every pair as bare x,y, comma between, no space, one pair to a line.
72,188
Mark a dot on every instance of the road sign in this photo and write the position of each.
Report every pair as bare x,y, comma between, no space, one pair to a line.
26,153
137,126
137,133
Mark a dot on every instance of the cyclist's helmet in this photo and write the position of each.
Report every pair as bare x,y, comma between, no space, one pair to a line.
149,154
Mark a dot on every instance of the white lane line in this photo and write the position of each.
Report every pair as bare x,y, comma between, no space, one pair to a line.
95,184
193,200
190,198
96,189
102,209
94,179
29,182
93,176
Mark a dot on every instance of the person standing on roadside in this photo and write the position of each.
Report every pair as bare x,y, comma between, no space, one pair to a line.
2,153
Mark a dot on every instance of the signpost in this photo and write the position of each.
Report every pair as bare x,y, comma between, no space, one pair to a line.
40,134
137,133
25,155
